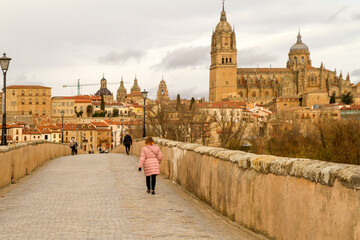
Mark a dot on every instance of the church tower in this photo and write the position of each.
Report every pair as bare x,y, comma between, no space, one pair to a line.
121,92
299,55
162,93
223,68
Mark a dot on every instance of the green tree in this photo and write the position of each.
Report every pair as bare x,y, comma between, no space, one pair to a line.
332,98
115,112
347,98
102,104
192,101
178,102
89,110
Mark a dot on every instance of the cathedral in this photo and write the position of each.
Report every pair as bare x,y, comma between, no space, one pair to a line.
301,81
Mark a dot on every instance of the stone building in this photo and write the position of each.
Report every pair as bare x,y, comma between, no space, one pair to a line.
121,92
263,85
135,94
108,96
30,100
162,93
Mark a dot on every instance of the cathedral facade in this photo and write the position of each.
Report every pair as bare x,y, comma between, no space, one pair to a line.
298,80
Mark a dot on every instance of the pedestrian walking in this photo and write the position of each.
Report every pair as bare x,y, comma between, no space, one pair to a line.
150,159
73,146
127,143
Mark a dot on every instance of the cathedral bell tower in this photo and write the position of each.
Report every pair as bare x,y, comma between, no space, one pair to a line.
223,68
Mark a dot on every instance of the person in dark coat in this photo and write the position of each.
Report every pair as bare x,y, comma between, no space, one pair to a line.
127,143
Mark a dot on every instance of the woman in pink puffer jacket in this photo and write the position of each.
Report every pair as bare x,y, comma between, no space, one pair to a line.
150,158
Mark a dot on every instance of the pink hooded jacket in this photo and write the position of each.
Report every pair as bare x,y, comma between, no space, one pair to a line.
151,160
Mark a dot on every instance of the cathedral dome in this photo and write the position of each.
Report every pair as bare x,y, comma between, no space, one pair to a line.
103,92
103,88
223,25
299,45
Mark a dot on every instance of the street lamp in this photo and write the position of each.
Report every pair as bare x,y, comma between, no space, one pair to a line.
122,127
144,95
62,125
4,62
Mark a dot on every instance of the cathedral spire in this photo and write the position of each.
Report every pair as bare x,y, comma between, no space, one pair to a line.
299,37
223,13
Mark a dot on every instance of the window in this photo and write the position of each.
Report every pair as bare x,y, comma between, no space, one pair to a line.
63,103
22,92
54,112
36,112
46,137
43,112
241,94
17,131
30,100
37,101
30,112
302,60
226,60
71,104
44,101
67,103
13,92
67,111
223,60
22,112
25,138
44,92
37,92
58,103
230,60
253,94
30,93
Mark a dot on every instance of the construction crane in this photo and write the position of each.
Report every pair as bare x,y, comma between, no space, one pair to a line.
78,85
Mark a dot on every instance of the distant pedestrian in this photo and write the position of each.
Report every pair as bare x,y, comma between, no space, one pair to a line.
73,146
150,159
127,143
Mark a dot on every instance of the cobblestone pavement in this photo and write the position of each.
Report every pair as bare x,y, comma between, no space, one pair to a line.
103,197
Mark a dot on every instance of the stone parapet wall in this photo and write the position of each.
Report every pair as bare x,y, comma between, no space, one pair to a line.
21,159
283,198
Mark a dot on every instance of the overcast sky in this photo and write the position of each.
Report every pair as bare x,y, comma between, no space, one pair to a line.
56,42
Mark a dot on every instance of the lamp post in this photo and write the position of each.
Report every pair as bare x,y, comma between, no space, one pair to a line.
144,95
62,125
4,62
122,127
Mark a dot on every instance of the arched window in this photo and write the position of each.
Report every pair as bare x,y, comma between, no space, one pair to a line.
295,60
241,94
230,60
226,60
222,60
267,95
253,94
302,60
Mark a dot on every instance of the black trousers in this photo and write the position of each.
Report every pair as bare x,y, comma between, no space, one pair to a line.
153,182
127,148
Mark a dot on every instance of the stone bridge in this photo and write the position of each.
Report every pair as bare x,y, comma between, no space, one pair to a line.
98,196
203,193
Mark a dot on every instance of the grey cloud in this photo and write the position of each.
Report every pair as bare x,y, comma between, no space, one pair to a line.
185,57
122,57
189,93
335,15
23,79
356,15
356,72
253,55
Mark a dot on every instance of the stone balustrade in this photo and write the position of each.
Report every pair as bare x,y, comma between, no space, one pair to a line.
21,159
283,198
